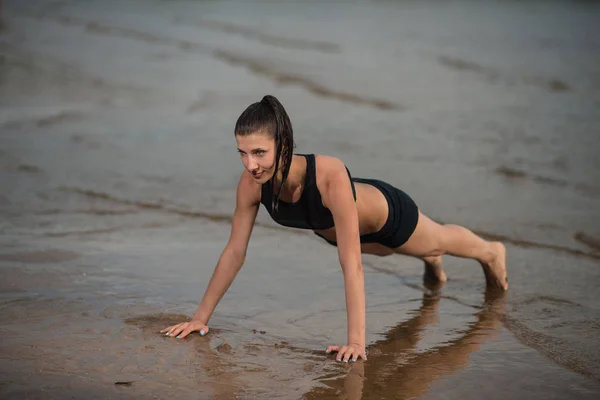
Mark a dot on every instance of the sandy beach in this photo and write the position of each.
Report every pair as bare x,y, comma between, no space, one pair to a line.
118,171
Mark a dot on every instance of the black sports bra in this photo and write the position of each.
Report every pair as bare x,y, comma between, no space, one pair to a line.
308,212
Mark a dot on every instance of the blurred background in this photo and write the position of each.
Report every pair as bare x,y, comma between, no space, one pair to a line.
118,170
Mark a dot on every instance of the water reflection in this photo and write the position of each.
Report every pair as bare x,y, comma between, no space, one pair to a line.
394,370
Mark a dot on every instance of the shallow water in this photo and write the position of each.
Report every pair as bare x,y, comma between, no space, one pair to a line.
117,183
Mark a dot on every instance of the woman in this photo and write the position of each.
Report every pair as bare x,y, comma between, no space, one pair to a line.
357,215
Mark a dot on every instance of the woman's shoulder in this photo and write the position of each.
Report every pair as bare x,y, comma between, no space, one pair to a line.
328,164
329,171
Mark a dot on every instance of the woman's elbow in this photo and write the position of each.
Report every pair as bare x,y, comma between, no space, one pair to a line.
234,257
352,266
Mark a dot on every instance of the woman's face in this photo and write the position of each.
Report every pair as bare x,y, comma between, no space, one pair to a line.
257,152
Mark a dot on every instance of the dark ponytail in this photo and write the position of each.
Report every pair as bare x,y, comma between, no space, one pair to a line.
270,116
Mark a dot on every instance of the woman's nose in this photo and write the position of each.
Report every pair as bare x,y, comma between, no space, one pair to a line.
252,164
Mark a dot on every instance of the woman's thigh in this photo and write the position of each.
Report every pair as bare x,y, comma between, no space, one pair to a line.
376,249
426,240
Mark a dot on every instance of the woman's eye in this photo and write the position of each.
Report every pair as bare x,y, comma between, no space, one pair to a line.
260,152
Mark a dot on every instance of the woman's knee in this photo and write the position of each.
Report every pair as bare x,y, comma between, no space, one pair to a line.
432,260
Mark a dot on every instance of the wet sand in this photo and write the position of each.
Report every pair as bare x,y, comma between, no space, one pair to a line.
117,184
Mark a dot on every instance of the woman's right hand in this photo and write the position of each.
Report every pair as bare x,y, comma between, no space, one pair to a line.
185,328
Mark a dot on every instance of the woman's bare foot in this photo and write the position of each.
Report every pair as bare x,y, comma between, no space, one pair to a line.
495,269
433,269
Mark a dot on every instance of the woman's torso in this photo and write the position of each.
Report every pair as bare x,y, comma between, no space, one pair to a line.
303,208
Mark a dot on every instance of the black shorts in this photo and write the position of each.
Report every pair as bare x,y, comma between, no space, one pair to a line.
403,215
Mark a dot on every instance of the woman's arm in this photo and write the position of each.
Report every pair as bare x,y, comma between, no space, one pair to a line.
337,196
231,260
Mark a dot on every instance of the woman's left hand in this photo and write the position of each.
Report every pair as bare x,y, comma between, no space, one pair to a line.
347,353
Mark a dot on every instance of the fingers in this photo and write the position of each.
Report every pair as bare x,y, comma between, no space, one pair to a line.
169,331
347,353
184,333
341,354
364,355
183,329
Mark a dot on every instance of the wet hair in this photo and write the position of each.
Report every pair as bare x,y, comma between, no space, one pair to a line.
268,116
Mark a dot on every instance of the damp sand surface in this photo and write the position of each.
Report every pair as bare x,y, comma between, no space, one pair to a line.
118,170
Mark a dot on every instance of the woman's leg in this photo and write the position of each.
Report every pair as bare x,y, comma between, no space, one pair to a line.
431,240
